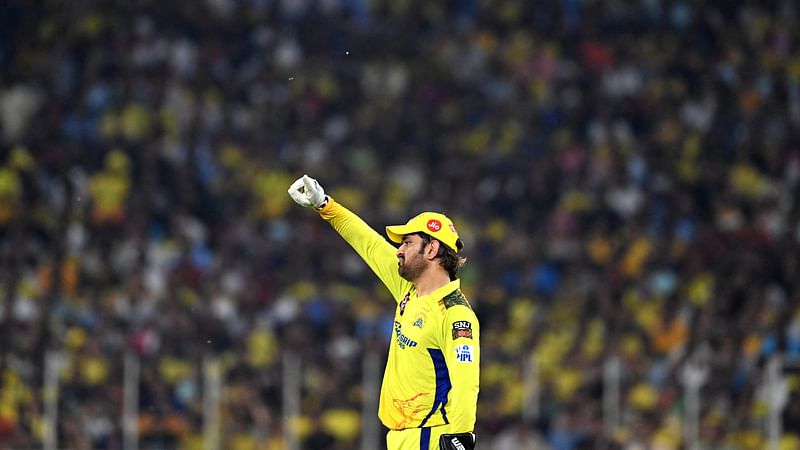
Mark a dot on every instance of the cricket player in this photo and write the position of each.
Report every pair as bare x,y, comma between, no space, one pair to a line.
429,392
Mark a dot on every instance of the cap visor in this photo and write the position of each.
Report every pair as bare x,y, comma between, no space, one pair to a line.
396,232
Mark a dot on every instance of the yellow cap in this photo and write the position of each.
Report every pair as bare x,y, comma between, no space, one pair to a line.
436,225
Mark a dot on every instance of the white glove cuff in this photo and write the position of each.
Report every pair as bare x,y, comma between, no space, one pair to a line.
323,204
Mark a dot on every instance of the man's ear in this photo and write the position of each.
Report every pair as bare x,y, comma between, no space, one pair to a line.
432,249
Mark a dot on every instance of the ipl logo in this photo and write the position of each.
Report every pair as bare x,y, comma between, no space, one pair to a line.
464,353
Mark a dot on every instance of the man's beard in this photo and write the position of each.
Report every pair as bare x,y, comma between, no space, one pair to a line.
410,271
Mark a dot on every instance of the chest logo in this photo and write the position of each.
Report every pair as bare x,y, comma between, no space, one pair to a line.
403,341
420,321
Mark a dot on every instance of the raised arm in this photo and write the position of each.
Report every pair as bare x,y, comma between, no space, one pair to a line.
379,254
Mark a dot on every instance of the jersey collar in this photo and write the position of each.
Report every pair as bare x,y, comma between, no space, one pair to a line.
439,294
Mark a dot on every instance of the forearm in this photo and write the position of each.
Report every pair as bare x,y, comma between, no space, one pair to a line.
462,408
379,255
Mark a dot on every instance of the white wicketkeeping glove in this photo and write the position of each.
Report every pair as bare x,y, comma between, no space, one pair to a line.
306,191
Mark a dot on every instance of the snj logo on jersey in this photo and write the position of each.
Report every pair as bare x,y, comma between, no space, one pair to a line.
434,225
464,353
402,339
462,329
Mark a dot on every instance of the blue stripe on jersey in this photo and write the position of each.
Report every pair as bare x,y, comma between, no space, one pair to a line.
425,438
443,385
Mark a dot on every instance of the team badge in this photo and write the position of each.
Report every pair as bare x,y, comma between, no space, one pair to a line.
419,322
404,302
462,329
464,353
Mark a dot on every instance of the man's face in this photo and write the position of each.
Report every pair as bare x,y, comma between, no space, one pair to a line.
411,259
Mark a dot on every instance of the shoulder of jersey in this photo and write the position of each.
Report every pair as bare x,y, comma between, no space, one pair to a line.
455,298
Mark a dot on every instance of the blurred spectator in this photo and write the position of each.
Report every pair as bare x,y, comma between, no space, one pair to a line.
516,437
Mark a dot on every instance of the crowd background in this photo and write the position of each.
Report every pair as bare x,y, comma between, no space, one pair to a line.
624,174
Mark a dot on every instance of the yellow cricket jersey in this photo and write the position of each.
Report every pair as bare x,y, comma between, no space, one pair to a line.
432,372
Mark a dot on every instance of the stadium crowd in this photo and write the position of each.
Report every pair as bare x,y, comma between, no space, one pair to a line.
624,174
